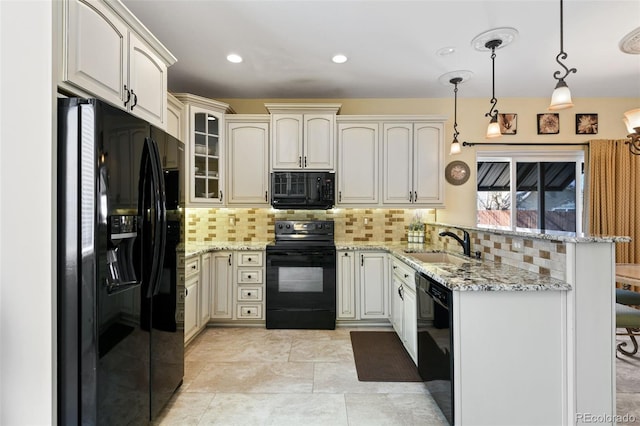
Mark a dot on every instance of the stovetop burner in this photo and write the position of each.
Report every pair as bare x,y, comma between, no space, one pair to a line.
316,232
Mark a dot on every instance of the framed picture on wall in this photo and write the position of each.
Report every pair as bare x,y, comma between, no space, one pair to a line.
586,124
508,123
548,123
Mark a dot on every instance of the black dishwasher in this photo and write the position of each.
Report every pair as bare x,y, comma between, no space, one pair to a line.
435,341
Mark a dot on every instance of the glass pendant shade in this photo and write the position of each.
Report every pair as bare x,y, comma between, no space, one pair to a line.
493,131
561,97
455,147
632,120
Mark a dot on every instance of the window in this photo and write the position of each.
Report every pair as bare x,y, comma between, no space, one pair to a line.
547,194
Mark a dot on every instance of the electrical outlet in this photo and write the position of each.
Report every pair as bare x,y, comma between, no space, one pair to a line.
366,220
516,245
232,221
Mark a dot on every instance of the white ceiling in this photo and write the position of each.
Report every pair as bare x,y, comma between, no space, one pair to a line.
391,45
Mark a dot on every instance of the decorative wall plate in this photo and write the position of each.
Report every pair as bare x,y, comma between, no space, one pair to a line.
457,172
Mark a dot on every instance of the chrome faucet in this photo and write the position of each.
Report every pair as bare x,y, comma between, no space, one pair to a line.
465,243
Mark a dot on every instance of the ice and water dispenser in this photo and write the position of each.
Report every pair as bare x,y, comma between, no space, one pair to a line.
123,230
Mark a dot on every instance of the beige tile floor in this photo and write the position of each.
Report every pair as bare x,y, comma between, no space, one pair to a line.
254,376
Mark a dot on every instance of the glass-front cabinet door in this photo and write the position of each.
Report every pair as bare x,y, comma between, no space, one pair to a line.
207,156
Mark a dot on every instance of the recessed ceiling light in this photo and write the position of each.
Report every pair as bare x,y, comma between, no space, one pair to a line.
445,51
236,59
339,59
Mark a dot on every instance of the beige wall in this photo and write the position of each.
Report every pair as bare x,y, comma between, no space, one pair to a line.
472,125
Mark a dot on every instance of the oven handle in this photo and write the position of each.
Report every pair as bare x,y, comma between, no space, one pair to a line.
301,253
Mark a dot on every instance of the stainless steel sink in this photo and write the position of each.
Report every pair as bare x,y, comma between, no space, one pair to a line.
435,257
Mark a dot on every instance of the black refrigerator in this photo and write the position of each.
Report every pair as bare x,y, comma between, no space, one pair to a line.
119,224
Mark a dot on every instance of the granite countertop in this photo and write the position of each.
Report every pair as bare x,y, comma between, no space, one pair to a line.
191,249
472,275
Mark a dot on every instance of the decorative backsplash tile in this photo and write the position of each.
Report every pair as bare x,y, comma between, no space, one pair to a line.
545,257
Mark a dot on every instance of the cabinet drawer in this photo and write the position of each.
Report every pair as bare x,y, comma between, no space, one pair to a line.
250,258
249,312
250,294
192,266
180,261
249,276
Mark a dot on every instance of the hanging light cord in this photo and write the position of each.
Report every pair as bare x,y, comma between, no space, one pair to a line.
492,44
455,82
562,55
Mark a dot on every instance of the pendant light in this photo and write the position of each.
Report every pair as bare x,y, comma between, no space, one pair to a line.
455,78
561,97
491,40
455,145
493,131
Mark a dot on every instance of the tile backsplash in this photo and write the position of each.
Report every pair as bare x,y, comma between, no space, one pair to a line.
239,225
256,225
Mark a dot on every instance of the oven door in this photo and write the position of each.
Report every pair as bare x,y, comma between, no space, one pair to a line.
301,287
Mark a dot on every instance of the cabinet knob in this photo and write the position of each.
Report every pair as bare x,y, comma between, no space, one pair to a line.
249,276
248,259
248,293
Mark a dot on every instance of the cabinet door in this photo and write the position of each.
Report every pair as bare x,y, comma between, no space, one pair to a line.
286,140
205,290
206,155
221,288
428,161
373,285
319,141
96,50
147,82
410,323
357,163
191,307
248,147
346,269
397,305
175,109
397,180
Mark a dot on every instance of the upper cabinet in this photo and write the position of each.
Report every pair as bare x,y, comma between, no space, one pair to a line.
108,53
390,161
248,147
357,176
303,136
412,167
175,118
204,149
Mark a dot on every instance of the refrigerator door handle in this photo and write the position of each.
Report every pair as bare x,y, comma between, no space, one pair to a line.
148,174
161,214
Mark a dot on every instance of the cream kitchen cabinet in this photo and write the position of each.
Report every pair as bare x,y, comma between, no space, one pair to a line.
374,285
358,153
222,286
204,290
248,147
403,306
175,117
303,136
249,285
108,53
204,150
413,158
190,297
346,285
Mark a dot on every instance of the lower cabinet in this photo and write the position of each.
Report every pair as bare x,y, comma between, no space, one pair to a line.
204,292
403,305
346,285
249,285
189,296
222,285
374,285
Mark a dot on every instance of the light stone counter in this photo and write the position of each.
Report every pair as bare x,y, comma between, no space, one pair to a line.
200,248
473,275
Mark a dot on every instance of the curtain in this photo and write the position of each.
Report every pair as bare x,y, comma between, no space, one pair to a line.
614,195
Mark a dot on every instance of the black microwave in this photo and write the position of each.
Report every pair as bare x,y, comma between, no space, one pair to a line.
302,190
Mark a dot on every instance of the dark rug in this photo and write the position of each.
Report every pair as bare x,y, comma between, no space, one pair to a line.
380,357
